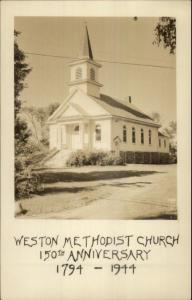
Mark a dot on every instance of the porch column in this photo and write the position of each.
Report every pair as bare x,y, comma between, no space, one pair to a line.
63,136
89,135
82,132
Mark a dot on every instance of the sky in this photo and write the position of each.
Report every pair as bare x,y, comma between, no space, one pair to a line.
153,89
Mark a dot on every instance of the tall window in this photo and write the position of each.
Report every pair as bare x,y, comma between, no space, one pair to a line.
98,133
133,135
165,143
142,136
92,74
78,74
159,143
124,134
149,136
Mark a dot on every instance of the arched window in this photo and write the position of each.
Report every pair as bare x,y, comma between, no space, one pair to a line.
149,136
98,133
165,143
133,135
92,74
78,73
159,143
124,134
142,136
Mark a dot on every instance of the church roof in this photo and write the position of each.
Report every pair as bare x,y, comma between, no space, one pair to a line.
86,51
162,134
122,109
111,106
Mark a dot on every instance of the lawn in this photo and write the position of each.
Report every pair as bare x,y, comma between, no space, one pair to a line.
112,192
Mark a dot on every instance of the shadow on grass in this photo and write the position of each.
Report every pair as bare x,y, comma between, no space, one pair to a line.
56,189
171,216
50,177
137,184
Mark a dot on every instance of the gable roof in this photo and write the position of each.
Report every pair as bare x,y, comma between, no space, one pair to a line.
110,106
85,105
162,135
122,109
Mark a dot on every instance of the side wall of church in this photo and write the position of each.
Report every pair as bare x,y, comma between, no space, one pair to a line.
105,142
163,145
118,126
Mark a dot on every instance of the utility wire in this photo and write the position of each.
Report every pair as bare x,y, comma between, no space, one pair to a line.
102,60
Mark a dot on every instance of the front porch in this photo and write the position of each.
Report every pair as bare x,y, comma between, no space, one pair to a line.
74,136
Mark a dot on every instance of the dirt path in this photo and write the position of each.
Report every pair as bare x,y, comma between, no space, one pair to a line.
128,192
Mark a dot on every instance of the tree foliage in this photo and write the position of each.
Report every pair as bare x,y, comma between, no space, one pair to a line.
171,130
25,181
36,118
21,70
165,33
156,117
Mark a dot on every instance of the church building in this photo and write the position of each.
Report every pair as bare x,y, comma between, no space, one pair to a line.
90,120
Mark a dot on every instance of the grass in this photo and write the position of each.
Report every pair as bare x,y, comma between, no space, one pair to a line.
140,192
52,177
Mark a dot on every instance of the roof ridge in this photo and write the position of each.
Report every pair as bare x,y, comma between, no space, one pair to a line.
124,106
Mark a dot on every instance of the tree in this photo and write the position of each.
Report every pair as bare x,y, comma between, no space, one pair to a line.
25,182
156,117
171,132
36,117
21,70
165,33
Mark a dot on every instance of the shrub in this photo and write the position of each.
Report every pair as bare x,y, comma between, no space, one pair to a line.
27,184
87,158
26,181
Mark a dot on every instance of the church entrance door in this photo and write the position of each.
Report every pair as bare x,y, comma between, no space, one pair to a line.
75,137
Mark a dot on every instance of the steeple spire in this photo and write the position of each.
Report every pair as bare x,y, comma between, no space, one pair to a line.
84,70
86,51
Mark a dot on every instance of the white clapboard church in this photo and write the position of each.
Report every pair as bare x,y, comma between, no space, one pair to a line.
88,119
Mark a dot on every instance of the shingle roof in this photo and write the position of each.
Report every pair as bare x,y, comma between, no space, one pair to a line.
161,134
121,109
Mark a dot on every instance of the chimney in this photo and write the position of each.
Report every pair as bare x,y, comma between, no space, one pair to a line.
129,99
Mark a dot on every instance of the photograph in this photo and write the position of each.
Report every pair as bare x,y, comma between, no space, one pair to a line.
95,118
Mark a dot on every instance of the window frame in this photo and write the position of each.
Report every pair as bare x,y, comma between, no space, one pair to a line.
78,73
92,74
98,135
133,135
150,137
124,134
142,136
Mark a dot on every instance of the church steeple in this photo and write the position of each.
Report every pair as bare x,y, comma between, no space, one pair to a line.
86,51
84,70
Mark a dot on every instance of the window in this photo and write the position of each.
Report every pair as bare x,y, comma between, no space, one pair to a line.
78,74
165,143
142,136
124,134
133,135
98,133
92,74
149,136
160,143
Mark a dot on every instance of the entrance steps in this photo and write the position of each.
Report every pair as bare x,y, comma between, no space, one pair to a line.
58,160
